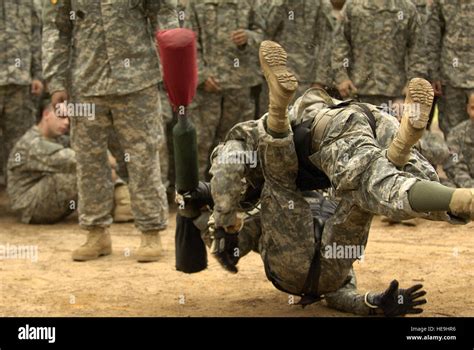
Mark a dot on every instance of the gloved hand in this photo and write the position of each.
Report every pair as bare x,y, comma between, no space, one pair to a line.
225,247
200,196
398,302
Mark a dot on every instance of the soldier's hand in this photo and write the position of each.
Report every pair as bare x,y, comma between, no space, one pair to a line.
225,248
437,88
347,88
211,85
58,97
37,87
239,37
399,302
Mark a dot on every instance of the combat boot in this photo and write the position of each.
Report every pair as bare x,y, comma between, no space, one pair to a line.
462,203
122,204
150,247
282,85
98,244
416,112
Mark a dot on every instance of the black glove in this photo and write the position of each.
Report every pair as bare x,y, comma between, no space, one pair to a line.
225,247
399,302
200,196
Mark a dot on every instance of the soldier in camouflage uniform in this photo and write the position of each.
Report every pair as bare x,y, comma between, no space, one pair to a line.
20,71
114,68
346,146
377,50
228,34
460,167
450,32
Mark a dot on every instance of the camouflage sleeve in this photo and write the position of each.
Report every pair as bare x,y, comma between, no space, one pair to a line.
341,51
322,73
257,25
417,54
347,299
52,158
162,14
57,33
274,20
456,167
434,30
192,22
36,69
226,182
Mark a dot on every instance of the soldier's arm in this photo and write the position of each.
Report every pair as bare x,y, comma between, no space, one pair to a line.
36,68
226,182
255,32
57,32
192,22
274,21
434,32
51,157
417,52
348,299
456,168
341,51
322,74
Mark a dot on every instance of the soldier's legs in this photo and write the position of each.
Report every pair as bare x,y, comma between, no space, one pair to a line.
16,111
137,122
57,198
94,180
452,108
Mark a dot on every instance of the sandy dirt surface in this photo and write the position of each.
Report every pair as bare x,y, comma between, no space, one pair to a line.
436,254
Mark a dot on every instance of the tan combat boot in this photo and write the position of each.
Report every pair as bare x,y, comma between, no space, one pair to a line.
98,244
122,204
150,247
416,113
462,203
282,85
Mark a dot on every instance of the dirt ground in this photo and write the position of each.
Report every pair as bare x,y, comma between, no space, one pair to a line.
436,254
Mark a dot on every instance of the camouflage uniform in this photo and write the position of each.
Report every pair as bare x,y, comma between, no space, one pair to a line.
460,167
115,68
42,179
20,63
235,69
450,32
379,46
364,180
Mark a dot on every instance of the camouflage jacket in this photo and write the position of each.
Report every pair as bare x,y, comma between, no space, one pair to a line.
303,28
34,157
451,32
460,166
20,42
214,20
379,47
107,46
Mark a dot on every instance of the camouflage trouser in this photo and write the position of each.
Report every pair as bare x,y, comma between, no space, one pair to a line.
367,184
16,117
56,198
136,120
452,107
214,114
379,100
166,147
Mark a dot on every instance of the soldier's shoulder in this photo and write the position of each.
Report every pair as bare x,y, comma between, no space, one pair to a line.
460,129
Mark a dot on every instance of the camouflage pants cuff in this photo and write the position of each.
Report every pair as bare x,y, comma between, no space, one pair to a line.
266,138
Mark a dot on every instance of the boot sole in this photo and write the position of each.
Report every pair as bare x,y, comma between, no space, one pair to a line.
273,60
420,100
88,258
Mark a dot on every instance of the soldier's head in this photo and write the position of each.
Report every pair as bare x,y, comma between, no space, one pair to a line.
51,124
470,105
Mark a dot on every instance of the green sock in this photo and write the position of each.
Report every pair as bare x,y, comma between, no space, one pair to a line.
427,196
276,135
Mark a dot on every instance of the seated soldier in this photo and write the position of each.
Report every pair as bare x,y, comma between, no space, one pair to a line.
329,143
42,174
460,167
